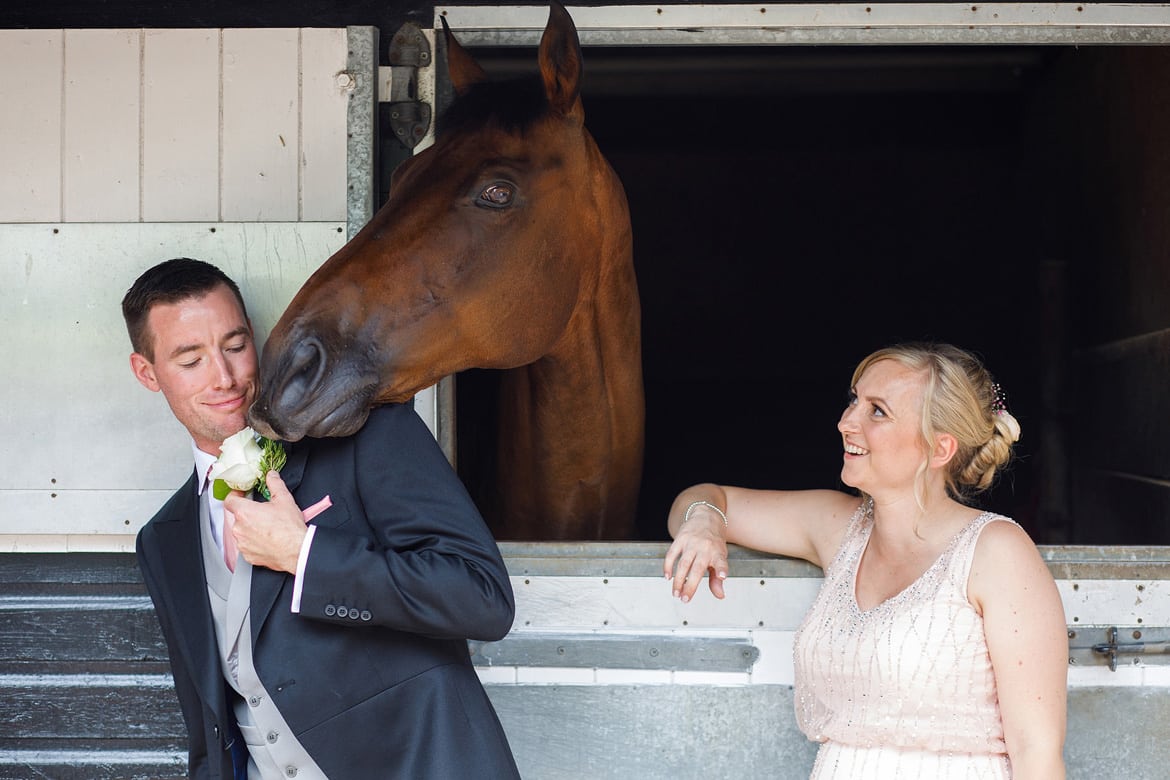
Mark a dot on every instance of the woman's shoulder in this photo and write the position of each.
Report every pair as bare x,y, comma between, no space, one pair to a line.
1005,559
841,515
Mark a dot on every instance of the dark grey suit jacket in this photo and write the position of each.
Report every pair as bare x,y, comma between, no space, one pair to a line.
373,675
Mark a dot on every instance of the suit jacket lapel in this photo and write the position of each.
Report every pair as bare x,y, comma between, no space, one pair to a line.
266,584
186,586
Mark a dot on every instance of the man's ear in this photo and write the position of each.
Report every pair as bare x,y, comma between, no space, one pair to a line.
144,372
945,447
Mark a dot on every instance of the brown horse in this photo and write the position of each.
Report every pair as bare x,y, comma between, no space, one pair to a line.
505,245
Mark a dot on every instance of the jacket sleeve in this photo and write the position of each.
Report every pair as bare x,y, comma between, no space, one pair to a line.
425,561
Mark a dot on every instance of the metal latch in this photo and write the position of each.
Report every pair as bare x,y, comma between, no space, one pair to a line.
1130,645
409,117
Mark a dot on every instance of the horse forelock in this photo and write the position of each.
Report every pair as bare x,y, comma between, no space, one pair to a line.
514,106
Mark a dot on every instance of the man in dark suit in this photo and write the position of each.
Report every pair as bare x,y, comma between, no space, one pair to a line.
330,650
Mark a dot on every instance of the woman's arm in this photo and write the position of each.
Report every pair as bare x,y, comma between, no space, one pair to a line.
799,524
1028,641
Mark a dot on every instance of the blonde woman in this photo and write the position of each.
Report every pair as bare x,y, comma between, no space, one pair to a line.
937,647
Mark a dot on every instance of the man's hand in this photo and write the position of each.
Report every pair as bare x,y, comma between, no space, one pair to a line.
268,534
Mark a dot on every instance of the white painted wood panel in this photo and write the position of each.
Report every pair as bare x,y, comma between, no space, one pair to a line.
325,91
173,125
260,177
180,139
101,116
87,450
30,125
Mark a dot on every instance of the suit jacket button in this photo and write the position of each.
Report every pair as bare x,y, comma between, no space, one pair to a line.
353,614
330,610
366,615
342,612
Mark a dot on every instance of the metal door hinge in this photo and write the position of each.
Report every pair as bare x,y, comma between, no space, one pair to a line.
410,117
1114,645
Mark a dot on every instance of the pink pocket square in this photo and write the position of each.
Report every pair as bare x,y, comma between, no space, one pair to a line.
316,509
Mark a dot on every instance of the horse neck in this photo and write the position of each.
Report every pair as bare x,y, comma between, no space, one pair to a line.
578,412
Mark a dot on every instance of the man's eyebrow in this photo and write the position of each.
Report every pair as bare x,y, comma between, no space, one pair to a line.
240,331
184,348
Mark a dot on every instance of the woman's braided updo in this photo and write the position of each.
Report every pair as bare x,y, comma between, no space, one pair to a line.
959,398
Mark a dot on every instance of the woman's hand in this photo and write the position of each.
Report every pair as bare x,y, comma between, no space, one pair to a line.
699,546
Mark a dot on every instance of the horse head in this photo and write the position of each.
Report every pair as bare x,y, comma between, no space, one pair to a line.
468,263
505,245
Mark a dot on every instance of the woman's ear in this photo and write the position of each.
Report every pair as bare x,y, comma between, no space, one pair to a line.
945,447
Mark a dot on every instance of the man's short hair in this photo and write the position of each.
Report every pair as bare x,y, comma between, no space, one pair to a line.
171,281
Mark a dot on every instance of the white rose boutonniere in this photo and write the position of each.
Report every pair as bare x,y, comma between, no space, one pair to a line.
243,461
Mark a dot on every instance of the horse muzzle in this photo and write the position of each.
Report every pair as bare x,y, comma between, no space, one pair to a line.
305,391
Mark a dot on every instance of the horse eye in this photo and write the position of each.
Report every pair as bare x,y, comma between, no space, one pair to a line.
496,195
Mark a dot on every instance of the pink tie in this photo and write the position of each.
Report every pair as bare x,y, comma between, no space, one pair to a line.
230,550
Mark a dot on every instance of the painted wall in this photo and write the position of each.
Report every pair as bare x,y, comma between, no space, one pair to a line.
123,148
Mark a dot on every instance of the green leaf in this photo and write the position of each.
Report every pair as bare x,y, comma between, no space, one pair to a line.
272,458
220,489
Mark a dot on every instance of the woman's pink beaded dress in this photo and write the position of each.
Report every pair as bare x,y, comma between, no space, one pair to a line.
905,689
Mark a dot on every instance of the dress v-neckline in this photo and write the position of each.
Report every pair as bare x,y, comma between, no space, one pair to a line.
890,601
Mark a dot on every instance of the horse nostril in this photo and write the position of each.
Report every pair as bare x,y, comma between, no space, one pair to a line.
304,372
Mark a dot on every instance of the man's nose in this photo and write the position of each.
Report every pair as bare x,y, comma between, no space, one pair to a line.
224,376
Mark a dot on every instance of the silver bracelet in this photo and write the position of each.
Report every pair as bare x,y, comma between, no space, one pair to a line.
709,505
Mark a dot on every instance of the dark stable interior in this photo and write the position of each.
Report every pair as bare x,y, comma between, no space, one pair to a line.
796,208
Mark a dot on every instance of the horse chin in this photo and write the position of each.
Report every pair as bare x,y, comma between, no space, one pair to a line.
322,419
342,421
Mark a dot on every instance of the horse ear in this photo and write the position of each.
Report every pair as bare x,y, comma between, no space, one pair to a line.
462,68
560,61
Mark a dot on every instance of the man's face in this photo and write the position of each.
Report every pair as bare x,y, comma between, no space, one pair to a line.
204,364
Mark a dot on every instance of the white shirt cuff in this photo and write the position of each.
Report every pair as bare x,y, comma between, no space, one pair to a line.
302,562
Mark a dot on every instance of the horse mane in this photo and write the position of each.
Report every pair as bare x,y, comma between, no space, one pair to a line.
513,105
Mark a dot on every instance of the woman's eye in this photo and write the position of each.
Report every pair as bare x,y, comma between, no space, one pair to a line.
878,412
496,195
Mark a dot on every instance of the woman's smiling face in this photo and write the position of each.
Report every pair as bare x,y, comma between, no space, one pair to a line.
881,429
